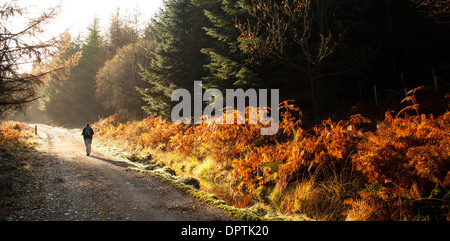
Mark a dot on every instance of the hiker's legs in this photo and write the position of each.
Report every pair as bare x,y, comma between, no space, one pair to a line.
88,142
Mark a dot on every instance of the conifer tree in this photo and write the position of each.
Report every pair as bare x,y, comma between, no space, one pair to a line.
54,95
178,62
22,45
74,101
84,77
229,65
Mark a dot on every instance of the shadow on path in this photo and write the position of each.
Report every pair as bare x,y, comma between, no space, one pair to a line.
114,162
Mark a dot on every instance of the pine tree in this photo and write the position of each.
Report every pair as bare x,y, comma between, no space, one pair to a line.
73,99
22,45
229,66
54,99
178,62
84,103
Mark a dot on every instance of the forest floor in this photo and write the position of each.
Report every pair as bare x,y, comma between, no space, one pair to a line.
68,185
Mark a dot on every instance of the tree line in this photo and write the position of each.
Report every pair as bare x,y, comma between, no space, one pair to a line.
329,56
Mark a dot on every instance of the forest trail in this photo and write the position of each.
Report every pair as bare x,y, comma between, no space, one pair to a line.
72,186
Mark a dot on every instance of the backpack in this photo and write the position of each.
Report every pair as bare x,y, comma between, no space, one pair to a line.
88,133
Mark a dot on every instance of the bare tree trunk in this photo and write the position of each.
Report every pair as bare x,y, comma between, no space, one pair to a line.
313,89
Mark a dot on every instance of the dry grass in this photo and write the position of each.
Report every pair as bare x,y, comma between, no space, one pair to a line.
18,156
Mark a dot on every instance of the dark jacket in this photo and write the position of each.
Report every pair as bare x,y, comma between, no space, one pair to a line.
87,133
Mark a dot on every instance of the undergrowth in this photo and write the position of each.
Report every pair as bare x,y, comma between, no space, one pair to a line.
17,158
346,170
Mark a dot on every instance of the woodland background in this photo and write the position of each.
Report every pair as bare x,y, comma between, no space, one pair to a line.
333,58
364,86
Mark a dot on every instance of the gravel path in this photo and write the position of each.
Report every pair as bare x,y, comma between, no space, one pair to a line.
72,186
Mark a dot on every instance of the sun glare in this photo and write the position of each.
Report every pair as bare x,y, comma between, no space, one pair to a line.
77,15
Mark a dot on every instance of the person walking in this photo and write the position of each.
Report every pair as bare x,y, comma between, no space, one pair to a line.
87,134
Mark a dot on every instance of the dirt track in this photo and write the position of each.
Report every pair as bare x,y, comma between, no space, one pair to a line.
72,186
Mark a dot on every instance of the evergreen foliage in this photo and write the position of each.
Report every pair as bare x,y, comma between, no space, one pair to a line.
178,62
229,66
353,55
73,99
